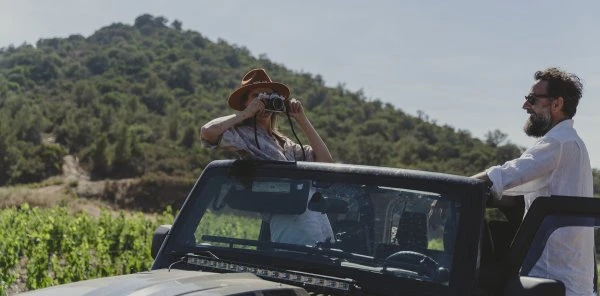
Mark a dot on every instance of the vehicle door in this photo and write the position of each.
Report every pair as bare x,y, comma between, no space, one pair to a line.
549,217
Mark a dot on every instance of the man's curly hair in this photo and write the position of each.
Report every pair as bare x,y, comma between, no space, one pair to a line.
562,84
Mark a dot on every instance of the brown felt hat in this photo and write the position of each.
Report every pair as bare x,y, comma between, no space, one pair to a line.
254,79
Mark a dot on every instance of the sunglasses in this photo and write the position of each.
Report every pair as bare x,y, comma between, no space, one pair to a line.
532,98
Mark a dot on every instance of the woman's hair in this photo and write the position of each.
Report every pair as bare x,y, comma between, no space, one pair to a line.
281,138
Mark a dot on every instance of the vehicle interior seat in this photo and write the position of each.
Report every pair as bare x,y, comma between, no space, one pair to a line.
411,235
412,231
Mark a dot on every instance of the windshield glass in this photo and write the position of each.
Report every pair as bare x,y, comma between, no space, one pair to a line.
363,225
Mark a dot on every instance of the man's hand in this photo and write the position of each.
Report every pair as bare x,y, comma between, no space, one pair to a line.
481,176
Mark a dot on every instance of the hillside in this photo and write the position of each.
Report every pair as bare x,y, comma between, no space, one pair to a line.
128,101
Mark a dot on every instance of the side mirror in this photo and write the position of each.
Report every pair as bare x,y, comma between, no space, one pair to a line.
319,203
158,238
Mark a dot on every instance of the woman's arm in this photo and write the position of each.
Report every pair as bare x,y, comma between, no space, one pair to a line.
212,131
314,139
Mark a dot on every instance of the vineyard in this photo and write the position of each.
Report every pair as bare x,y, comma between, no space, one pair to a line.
45,247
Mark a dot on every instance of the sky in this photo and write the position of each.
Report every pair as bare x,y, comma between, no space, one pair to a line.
466,64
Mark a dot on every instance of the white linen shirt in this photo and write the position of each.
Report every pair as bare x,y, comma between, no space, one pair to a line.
557,164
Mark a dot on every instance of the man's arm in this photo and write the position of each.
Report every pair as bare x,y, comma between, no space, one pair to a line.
516,175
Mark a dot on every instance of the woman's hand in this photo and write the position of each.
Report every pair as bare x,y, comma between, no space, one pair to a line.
296,109
256,106
320,150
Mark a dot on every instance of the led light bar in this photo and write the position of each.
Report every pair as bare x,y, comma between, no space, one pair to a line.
289,276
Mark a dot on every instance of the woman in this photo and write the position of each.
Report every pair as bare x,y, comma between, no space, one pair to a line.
252,133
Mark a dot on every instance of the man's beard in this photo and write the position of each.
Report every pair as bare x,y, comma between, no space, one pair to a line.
537,125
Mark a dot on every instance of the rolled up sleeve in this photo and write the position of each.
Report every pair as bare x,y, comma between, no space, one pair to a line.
230,140
528,172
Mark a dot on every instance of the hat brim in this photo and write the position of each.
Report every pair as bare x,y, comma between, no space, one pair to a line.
235,98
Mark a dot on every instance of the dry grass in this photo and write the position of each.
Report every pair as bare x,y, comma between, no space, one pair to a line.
74,189
50,194
42,196
64,190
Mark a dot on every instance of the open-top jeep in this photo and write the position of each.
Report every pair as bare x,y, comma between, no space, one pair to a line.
395,232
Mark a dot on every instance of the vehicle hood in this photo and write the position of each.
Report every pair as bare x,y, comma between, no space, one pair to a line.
173,282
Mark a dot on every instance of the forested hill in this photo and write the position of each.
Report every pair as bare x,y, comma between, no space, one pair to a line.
129,100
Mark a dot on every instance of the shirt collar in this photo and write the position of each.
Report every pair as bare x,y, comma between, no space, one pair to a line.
565,124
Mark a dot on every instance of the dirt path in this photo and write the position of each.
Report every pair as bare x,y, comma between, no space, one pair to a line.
59,190
72,171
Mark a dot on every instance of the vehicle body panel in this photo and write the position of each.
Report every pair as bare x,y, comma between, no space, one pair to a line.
170,282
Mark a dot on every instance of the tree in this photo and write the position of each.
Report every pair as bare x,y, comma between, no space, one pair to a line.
98,63
138,157
176,24
494,138
52,157
143,20
122,158
5,144
45,70
101,158
84,94
189,137
181,76
157,100
173,129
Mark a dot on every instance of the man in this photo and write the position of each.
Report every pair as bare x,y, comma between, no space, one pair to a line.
557,164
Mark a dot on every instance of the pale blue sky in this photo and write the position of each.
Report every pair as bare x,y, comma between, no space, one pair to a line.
467,64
